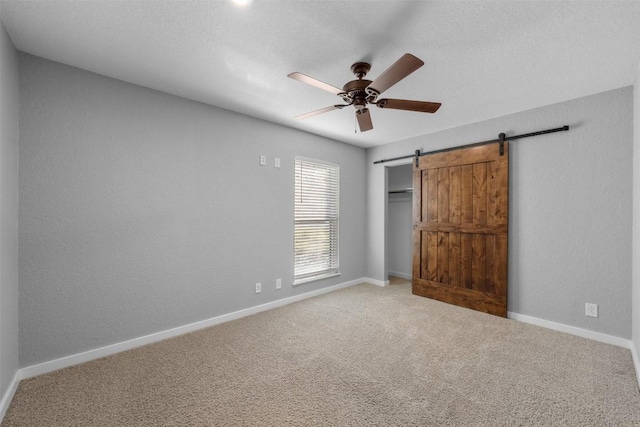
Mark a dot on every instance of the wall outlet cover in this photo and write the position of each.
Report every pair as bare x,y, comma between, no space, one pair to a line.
591,310
278,283
258,288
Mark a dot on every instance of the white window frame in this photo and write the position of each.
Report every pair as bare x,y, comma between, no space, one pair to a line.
333,269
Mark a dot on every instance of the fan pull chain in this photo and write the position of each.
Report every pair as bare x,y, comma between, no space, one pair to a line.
355,124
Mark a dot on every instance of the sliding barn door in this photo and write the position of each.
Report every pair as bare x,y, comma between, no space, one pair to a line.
460,227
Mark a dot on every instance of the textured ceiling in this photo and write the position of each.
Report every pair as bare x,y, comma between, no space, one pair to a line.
483,59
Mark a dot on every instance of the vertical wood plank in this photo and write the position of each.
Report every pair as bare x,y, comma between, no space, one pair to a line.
466,194
490,270
443,194
424,212
432,194
502,189
416,262
465,261
478,263
443,257
424,260
454,259
416,269
492,192
455,211
501,257
417,196
432,255
480,193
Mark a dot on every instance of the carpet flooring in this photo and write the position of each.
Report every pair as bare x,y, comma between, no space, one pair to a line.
362,356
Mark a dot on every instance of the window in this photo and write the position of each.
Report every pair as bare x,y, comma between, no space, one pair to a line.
316,220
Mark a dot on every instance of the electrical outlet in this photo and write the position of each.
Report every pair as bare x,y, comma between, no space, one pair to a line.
263,160
276,162
278,283
591,310
258,287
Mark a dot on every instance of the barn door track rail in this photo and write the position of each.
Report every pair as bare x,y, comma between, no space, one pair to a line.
501,138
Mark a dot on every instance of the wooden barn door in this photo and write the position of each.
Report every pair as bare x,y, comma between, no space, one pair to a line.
460,227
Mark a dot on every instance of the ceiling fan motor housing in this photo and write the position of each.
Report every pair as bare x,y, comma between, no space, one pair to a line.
355,92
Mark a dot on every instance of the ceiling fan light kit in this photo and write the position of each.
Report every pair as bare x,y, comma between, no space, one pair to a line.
361,92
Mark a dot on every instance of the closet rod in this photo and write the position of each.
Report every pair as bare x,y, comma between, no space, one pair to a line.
501,137
404,190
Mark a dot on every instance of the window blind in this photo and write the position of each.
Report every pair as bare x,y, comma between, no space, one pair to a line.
316,219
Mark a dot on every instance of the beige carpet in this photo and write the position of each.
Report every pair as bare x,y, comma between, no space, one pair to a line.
363,356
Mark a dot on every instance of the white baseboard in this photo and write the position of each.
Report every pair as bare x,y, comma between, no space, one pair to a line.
584,333
8,395
74,359
376,282
401,275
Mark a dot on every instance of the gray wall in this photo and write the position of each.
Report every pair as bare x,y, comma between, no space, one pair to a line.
8,211
141,211
636,216
570,208
399,221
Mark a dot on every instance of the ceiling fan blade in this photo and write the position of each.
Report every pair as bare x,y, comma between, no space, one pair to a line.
315,82
404,104
364,120
320,111
404,66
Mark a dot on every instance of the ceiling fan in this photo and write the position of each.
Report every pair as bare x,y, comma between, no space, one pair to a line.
361,92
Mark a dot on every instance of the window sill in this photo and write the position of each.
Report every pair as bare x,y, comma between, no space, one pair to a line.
314,278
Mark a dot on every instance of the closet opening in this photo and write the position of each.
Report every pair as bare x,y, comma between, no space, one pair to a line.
398,224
